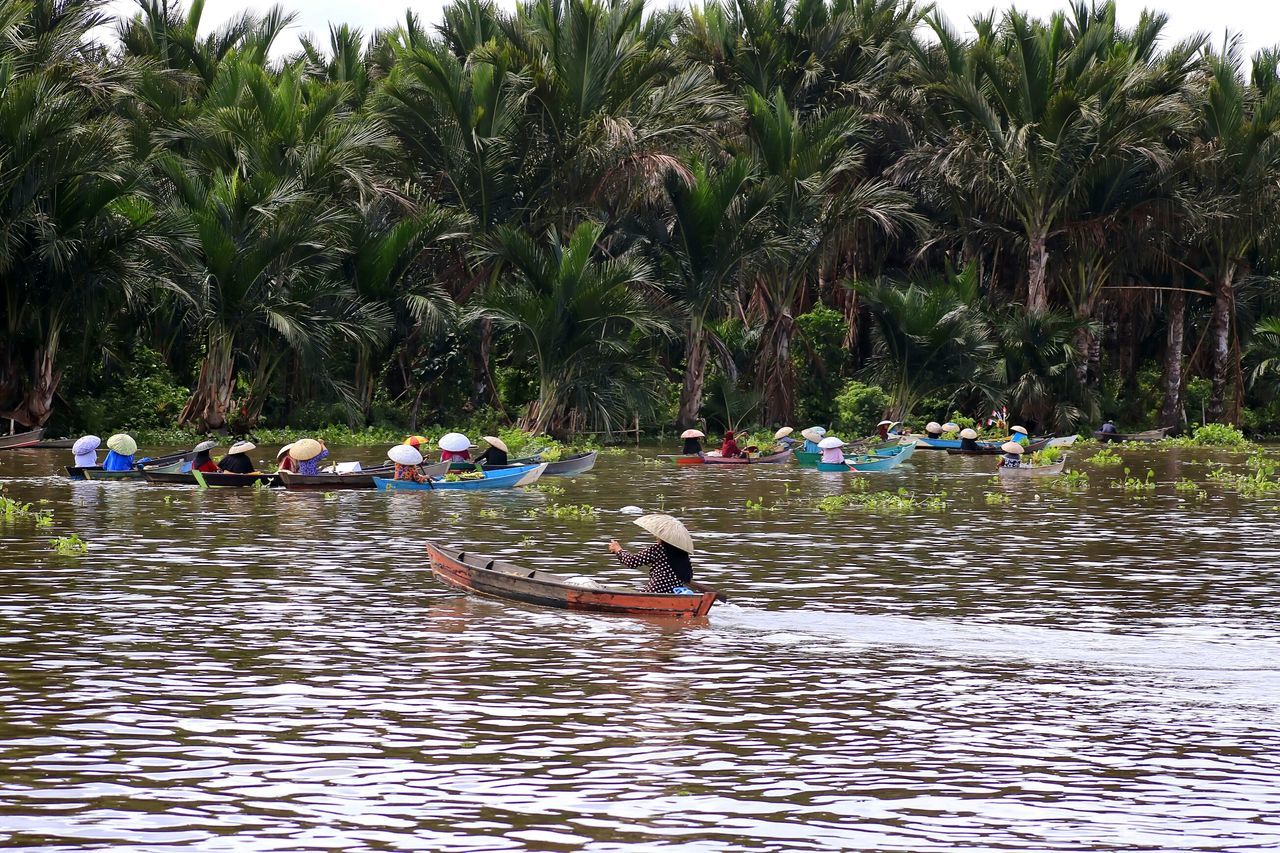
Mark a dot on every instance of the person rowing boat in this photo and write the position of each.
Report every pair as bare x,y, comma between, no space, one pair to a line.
670,569
692,443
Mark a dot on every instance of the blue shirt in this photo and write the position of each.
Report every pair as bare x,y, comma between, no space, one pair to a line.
116,462
811,446
1021,438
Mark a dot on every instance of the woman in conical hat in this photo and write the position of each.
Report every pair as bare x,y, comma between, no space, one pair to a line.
237,460
122,448
308,453
1012,455
692,444
668,559
85,451
496,455
203,462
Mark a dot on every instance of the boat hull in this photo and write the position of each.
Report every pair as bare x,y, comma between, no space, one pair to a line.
771,459
220,479
295,482
994,449
880,464
21,439
508,479
579,463
485,576
97,474
1144,437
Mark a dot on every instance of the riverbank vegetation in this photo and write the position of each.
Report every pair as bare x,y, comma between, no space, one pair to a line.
583,215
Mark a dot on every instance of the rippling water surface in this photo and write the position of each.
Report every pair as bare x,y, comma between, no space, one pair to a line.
243,670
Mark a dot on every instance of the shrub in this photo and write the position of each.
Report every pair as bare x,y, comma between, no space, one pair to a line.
1218,435
859,408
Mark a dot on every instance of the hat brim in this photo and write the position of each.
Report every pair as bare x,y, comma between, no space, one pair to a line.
454,442
669,530
783,433
494,441
1012,447
241,447
405,454
305,449
122,444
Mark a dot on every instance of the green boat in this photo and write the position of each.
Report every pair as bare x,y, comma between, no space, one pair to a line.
880,448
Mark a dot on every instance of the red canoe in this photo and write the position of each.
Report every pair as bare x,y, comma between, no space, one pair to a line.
499,579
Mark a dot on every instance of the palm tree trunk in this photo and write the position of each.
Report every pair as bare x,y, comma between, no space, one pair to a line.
1037,271
1220,329
1171,411
778,374
37,400
695,375
211,399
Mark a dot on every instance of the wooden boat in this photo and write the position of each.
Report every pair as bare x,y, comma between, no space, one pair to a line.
771,459
1028,471
806,459
218,479
172,463
356,480
21,439
519,462
508,479
991,448
1144,437
1063,441
578,463
55,444
97,474
879,464
499,579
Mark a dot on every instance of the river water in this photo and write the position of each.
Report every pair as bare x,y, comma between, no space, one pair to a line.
270,671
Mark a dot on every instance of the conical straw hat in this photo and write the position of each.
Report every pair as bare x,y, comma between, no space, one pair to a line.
885,423
122,444
669,530
830,442
306,449
933,426
282,451
814,434
454,442
949,426
494,441
1022,430
1012,447
403,454
968,433
693,433
783,433
204,446
87,444
417,440
246,446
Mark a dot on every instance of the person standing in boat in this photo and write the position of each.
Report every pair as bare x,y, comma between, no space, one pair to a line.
1020,435
85,451
729,447
237,460
811,437
692,442
969,440
670,568
496,454
120,458
204,462
1012,455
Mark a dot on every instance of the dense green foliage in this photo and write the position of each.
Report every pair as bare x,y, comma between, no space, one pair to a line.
587,213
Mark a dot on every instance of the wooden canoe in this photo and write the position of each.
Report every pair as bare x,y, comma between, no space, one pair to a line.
220,479
1144,437
684,460
163,465
771,459
878,464
1028,471
21,439
578,463
55,444
357,480
993,449
499,579
505,479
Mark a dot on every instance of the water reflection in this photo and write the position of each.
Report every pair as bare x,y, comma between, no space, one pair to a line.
267,671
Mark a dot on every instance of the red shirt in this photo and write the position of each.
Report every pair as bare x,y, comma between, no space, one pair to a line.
455,456
207,467
730,448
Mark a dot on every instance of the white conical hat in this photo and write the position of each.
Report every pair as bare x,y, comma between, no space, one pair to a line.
885,423
305,449
669,530
122,444
282,451
246,446
783,433
204,446
454,442
403,454
1012,447
968,433
87,444
830,442
494,441
814,434
933,426
1022,430
950,427
693,433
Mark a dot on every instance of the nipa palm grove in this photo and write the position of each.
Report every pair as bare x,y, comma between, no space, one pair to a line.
581,215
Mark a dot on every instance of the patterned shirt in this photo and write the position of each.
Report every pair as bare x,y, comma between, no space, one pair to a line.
311,467
409,472
662,578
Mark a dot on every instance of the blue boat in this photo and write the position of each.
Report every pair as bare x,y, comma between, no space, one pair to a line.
926,443
876,464
507,478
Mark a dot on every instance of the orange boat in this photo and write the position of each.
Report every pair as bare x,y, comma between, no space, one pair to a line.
498,579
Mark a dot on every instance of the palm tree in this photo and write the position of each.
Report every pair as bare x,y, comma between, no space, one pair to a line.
574,313
75,226
929,338
720,233
1035,366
